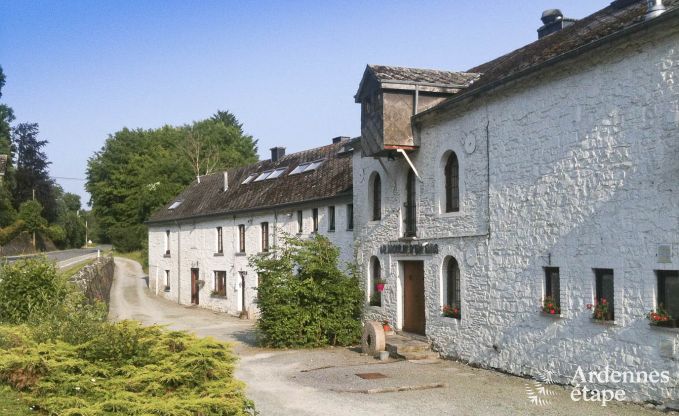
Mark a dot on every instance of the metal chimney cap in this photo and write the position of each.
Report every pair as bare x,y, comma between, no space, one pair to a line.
551,16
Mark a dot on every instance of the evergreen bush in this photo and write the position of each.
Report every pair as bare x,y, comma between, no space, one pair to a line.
304,299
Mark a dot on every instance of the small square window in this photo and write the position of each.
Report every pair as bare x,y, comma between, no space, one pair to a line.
350,216
331,218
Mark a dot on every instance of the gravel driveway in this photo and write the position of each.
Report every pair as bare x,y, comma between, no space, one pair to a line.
324,381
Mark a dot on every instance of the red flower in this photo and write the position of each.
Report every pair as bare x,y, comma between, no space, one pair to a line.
603,301
552,311
589,306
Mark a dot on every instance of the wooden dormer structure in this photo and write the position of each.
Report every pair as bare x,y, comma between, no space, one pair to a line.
390,96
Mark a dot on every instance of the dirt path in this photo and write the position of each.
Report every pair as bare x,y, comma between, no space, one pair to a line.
324,381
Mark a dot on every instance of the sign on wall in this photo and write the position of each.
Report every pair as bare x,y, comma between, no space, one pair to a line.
416,249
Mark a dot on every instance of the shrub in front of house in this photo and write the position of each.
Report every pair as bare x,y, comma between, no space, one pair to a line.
304,299
68,360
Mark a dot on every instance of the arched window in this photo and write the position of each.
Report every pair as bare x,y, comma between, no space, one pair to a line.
410,206
375,280
377,198
452,172
452,287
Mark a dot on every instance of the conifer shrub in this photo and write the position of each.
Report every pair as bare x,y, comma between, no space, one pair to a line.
68,360
304,299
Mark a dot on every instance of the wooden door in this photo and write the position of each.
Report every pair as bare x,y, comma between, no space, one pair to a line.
413,297
194,286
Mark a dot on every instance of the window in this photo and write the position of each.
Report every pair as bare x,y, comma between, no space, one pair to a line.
604,290
220,283
220,241
350,216
167,242
375,280
300,222
241,238
668,292
410,206
553,285
277,173
331,218
270,174
377,198
167,280
265,236
175,205
452,172
452,286
314,217
249,178
307,167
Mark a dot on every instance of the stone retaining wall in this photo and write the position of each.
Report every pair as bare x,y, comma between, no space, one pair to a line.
95,279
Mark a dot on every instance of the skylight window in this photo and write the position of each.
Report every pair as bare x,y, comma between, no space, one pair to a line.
249,178
307,167
300,168
263,175
175,204
276,173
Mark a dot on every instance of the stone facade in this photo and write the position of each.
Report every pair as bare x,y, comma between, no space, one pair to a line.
574,167
193,245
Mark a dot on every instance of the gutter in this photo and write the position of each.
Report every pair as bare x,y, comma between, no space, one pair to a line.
247,210
666,16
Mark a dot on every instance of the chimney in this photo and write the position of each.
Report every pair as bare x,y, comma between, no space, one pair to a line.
655,9
339,139
226,181
553,22
277,153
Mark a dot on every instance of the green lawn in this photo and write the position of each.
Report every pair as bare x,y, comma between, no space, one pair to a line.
11,403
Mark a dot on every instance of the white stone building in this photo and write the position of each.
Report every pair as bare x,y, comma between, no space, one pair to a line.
199,244
551,171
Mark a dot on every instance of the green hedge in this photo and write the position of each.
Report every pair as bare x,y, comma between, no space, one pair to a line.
304,299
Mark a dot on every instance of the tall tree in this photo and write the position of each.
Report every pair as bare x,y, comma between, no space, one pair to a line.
31,171
6,117
138,171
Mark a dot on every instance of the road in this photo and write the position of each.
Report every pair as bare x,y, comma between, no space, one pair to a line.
64,258
325,382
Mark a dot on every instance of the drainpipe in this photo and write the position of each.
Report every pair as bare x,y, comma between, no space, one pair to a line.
179,262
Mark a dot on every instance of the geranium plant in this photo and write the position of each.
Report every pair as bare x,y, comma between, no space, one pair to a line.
550,306
601,310
451,311
379,284
659,316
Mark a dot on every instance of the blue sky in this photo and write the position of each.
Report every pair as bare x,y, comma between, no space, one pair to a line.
287,69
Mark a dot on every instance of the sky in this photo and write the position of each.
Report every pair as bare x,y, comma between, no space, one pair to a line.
288,70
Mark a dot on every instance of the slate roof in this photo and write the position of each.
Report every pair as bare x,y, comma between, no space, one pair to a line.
619,15
3,164
332,179
421,76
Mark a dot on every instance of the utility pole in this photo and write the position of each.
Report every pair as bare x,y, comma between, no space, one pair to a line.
34,231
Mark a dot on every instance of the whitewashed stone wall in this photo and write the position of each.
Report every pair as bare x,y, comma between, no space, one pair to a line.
193,244
576,168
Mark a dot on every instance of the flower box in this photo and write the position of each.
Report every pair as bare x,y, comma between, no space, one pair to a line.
551,315
451,312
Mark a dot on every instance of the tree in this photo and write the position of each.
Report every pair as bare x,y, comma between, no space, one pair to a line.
31,172
30,212
6,117
138,171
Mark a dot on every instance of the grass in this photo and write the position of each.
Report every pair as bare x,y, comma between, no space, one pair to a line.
136,256
11,403
70,271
